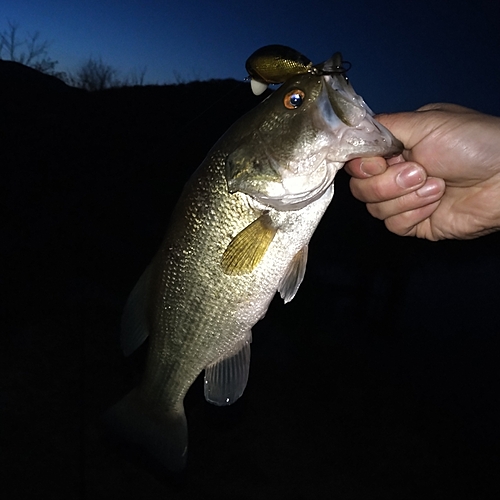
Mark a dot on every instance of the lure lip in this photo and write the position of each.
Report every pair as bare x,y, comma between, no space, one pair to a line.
258,87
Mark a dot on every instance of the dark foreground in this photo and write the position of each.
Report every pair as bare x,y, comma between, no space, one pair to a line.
379,380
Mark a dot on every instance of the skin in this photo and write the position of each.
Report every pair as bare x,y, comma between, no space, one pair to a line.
445,184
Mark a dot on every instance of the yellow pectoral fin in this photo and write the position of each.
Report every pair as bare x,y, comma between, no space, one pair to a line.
248,247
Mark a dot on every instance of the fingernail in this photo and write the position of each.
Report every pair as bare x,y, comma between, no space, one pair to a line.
371,167
410,177
429,189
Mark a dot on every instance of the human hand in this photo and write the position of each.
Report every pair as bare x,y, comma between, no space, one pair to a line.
445,184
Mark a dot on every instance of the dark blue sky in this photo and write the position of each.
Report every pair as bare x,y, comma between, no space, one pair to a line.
403,56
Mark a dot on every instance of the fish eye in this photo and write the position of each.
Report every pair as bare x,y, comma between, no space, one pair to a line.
294,99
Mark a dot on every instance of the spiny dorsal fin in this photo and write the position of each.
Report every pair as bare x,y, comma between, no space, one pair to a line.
294,275
248,247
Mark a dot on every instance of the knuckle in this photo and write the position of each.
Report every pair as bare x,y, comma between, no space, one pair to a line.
399,225
379,191
357,189
375,210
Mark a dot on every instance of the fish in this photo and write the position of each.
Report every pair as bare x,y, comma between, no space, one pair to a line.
238,235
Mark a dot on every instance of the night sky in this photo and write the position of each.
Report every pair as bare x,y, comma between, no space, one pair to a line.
403,56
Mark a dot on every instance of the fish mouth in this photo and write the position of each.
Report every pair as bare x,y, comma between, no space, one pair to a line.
372,139
351,121
346,130
339,126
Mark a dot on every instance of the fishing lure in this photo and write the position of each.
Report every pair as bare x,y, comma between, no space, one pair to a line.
276,63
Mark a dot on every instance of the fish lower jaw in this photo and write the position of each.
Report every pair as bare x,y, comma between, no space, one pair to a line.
295,192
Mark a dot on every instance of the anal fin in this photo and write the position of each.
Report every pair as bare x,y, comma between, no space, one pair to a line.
294,275
226,379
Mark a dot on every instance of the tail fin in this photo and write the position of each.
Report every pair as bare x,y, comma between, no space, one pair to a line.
162,437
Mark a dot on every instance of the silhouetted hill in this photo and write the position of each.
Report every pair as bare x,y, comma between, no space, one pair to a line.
20,78
379,380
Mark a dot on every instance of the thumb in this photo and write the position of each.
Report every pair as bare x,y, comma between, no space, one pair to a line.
413,126
409,127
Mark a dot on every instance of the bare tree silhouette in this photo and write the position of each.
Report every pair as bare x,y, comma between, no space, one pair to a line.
95,74
30,51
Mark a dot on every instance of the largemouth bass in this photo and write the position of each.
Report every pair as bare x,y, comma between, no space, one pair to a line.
239,234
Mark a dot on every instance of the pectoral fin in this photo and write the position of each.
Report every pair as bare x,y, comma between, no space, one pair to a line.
294,275
226,379
248,247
